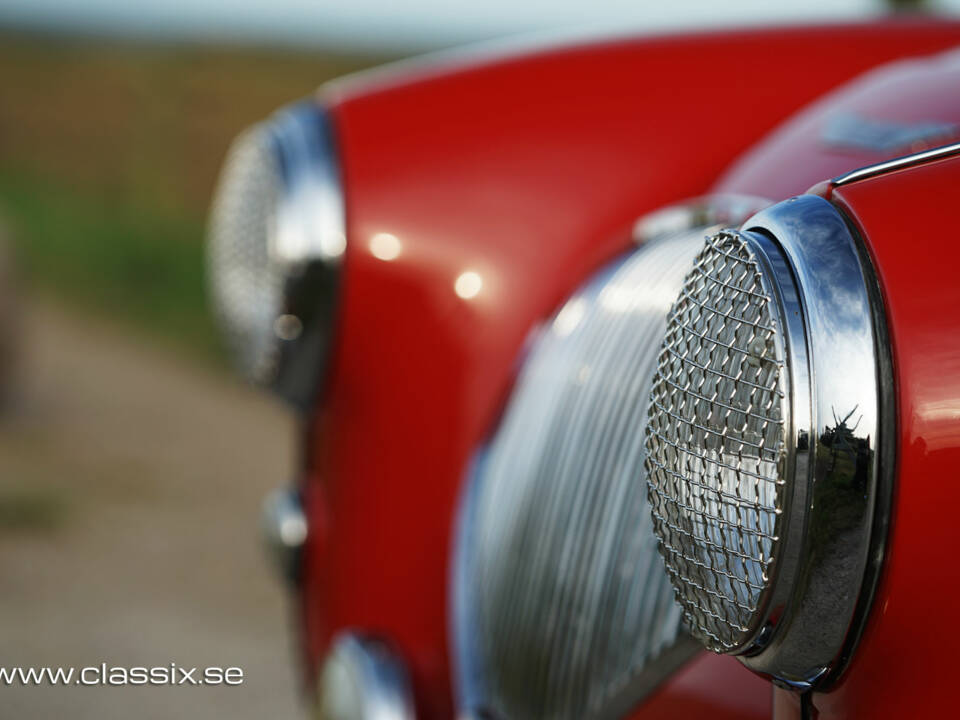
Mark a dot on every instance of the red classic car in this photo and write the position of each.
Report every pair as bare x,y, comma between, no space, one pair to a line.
629,373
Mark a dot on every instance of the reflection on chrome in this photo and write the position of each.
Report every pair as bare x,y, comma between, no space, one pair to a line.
284,527
569,317
363,679
287,327
850,427
310,216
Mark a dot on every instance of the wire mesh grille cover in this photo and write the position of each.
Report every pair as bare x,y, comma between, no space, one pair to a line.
715,443
246,285
564,607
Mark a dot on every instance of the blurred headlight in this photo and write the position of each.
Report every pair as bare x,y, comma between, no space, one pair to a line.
768,504
276,241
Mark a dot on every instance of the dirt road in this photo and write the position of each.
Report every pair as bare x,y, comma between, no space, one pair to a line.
130,484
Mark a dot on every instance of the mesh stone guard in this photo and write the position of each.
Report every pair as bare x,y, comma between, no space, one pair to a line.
715,443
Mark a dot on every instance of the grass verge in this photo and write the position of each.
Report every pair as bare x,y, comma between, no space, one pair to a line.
110,153
134,263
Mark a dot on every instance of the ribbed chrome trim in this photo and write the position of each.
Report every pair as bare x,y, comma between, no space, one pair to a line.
562,608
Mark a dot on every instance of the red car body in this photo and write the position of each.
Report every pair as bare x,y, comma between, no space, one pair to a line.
528,169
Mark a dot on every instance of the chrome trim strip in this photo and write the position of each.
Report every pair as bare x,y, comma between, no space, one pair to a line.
896,164
808,644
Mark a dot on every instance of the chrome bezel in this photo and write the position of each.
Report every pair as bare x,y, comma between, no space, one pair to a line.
380,677
284,528
310,243
832,551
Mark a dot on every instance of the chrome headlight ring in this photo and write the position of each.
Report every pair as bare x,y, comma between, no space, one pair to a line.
277,237
784,578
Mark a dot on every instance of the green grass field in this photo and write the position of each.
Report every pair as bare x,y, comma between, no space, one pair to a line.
109,155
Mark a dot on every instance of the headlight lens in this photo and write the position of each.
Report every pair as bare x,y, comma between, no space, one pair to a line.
276,240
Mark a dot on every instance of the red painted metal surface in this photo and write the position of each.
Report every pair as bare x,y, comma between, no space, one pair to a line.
895,100
711,686
525,174
904,664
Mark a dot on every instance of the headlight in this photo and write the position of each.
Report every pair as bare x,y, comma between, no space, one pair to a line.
764,425
276,241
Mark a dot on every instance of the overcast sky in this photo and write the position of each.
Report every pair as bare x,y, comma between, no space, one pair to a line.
403,24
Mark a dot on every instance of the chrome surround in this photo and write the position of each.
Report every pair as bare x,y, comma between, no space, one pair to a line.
310,241
284,529
900,163
374,676
310,217
837,523
305,245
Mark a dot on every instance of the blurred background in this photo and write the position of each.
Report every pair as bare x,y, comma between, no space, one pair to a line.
131,463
